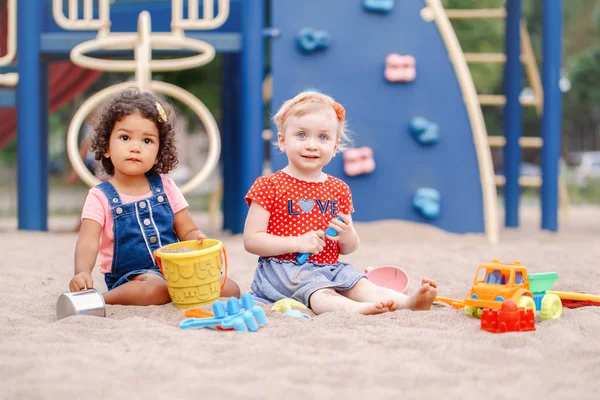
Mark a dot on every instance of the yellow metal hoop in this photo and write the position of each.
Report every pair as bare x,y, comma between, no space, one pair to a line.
130,41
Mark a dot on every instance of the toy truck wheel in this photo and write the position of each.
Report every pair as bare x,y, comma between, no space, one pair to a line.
473,311
526,302
551,307
470,311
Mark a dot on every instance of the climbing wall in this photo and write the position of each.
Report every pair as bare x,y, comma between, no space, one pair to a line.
392,72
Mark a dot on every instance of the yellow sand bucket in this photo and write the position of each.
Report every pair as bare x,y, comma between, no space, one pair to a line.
193,271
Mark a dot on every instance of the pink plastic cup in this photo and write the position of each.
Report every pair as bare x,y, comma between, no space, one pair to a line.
390,277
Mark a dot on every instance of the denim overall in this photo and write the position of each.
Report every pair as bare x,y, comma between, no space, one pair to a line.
139,229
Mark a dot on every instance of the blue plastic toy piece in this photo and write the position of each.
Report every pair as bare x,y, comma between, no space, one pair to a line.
310,40
302,257
424,131
427,202
296,314
382,6
537,300
243,315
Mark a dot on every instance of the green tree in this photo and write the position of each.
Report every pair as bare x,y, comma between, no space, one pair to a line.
581,19
582,102
204,82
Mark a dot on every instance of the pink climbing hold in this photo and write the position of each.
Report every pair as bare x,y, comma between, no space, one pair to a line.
358,161
400,68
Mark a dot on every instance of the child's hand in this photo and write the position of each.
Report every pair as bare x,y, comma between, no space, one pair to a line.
342,228
200,236
312,242
81,281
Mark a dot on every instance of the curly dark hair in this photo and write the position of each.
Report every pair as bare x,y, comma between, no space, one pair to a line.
131,101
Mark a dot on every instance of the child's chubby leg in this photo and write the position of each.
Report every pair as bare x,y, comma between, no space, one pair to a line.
143,290
325,300
151,289
421,299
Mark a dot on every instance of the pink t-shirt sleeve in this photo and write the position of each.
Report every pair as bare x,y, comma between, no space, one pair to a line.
94,207
176,198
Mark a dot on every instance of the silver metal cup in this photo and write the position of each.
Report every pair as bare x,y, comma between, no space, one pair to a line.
86,302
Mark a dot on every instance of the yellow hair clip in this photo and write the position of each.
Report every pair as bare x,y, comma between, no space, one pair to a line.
162,115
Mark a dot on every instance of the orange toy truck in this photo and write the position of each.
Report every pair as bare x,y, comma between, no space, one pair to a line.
495,283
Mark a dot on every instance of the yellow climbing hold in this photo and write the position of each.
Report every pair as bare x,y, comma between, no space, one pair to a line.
284,305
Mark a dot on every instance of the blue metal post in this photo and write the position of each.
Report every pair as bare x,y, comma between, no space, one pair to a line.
44,90
252,124
230,135
32,172
551,120
512,113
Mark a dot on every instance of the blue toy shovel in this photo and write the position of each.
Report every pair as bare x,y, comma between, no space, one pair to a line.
302,257
242,315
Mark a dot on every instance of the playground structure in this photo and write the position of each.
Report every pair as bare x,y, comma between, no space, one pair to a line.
65,79
67,30
414,107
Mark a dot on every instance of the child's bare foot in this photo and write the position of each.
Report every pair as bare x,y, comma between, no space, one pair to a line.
424,296
373,308
431,283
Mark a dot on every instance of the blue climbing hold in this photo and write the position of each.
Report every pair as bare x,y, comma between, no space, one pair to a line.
382,6
310,40
424,131
427,202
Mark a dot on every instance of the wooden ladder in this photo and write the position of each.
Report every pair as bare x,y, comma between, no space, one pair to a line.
537,100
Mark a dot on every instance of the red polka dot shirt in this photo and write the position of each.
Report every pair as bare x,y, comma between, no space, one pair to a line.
298,206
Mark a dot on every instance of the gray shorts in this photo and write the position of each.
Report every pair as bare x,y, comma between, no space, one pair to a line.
275,279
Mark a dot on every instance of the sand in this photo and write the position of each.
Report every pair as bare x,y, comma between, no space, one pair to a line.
140,352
